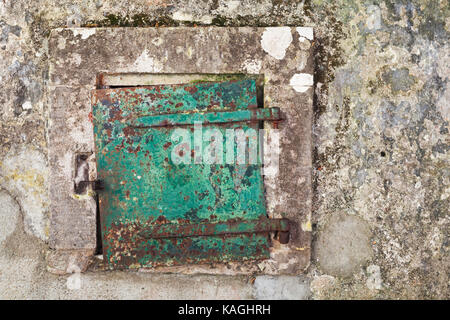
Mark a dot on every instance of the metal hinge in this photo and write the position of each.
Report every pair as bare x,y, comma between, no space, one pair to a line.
210,117
96,185
174,230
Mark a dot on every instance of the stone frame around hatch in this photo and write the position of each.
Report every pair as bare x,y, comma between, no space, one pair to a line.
76,57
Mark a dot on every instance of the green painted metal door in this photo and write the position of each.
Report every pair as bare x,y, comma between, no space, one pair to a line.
160,206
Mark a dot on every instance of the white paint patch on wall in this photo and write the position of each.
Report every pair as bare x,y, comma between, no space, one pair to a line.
145,63
306,32
84,32
276,40
252,66
186,16
302,82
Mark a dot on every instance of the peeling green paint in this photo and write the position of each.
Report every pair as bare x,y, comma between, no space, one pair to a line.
144,187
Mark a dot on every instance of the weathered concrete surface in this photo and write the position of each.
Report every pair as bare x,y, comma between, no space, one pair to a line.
9,214
381,134
145,286
343,247
281,288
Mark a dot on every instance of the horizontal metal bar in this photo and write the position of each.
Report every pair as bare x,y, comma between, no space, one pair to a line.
97,185
173,230
177,119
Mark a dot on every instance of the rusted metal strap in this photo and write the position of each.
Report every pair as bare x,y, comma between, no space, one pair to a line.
190,118
172,230
97,185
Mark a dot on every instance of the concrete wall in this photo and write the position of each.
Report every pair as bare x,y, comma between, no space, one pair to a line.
381,177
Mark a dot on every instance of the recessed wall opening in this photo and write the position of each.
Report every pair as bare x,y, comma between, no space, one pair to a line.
81,173
122,80
129,80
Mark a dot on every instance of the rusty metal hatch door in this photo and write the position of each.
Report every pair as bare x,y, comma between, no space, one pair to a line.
158,210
